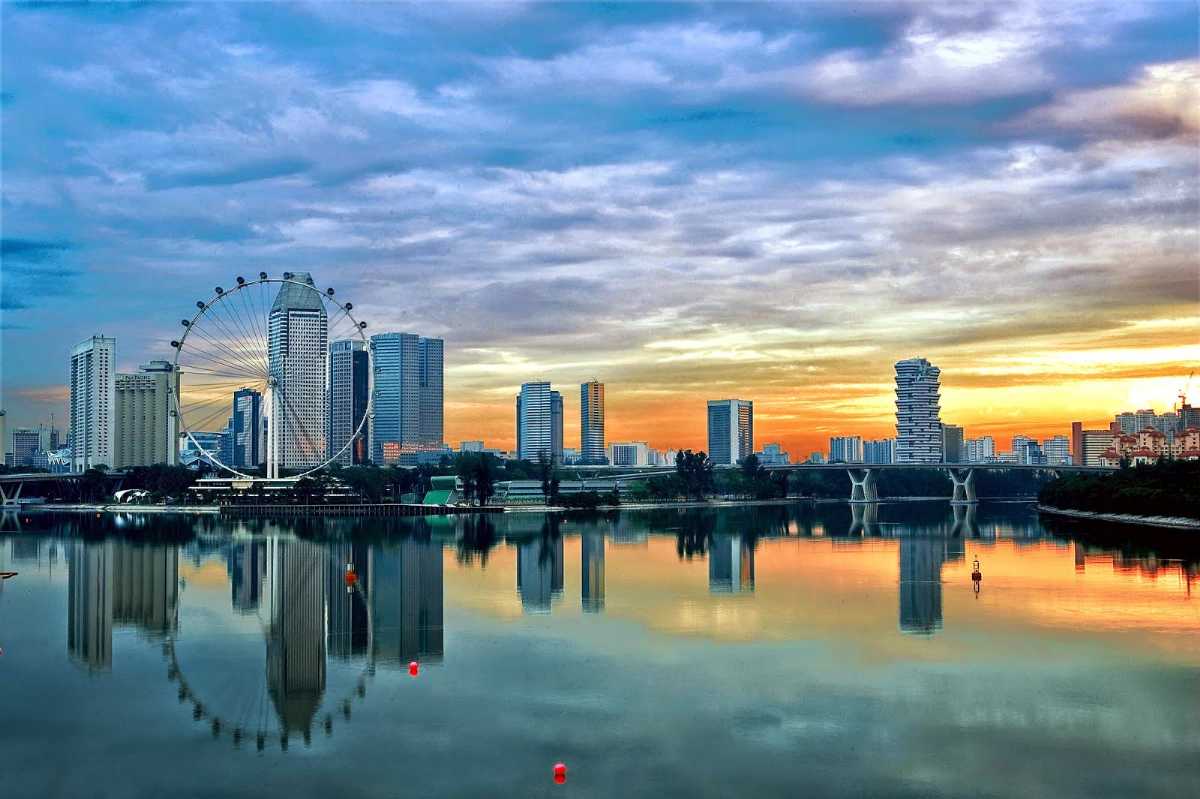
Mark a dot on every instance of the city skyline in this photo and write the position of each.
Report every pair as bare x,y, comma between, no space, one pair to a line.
723,218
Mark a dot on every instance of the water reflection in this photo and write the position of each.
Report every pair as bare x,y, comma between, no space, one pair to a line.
1082,646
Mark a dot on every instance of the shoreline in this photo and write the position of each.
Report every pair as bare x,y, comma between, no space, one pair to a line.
713,503
1167,522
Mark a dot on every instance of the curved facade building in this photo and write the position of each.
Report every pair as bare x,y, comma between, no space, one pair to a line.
918,412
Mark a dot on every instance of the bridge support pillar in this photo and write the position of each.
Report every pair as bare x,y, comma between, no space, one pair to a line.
862,485
964,486
5,499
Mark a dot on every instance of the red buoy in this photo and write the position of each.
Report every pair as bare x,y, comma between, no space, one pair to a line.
414,668
560,773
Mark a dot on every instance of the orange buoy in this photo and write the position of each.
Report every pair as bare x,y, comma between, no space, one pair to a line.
560,773
351,575
414,668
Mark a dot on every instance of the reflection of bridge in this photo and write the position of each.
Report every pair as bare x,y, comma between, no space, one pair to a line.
862,475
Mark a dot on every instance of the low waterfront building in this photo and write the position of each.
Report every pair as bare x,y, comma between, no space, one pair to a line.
773,455
629,453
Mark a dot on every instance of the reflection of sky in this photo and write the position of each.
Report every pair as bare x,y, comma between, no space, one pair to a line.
1072,673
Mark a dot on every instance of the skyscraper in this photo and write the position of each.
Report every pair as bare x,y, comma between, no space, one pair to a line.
93,402
730,430
407,393
298,345
918,420
591,422
349,385
244,432
952,443
539,422
145,425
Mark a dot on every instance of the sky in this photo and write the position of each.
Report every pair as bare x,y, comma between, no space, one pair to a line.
686,202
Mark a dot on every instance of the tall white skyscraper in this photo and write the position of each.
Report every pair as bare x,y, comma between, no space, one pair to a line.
539,422
591,422
93,403
730,430
918,413
297,347
349,384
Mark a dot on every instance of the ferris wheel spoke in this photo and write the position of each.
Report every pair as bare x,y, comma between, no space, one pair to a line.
228,356
256,320
192,370
237,344
247,327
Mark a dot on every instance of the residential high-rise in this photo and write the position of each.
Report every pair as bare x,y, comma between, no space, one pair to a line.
349,386
145,426
1094,443
407,393
1056,450
93,403
245,430
845,449
539,422
880,451
1077,442
730,430
298,342
918,419
4,450
979,450
591,422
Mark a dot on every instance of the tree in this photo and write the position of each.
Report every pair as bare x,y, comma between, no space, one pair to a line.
696,472
546,474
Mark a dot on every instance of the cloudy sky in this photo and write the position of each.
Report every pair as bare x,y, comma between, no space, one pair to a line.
685,201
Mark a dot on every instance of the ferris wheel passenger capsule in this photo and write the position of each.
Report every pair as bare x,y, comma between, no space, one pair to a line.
241,281
262,275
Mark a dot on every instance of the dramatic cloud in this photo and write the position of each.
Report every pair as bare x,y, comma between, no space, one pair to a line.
774,203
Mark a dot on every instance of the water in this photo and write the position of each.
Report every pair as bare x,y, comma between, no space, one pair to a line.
782,651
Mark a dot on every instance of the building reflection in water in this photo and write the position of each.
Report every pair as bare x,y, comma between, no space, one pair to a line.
406,600
540,572
730,565
921,560
89,604
296,637
118,582
591,555
247,567
347,614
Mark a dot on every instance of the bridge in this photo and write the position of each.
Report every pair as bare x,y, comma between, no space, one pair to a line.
863,475
61,486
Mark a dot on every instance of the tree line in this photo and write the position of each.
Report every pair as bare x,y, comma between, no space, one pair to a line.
1166,488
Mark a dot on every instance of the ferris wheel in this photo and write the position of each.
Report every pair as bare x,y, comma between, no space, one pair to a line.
272,376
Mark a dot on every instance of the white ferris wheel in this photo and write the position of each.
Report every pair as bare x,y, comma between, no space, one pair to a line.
271,363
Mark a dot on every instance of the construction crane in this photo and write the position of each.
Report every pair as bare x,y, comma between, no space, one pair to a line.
1183,391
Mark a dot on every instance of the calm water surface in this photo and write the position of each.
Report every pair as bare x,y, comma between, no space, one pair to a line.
786,651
